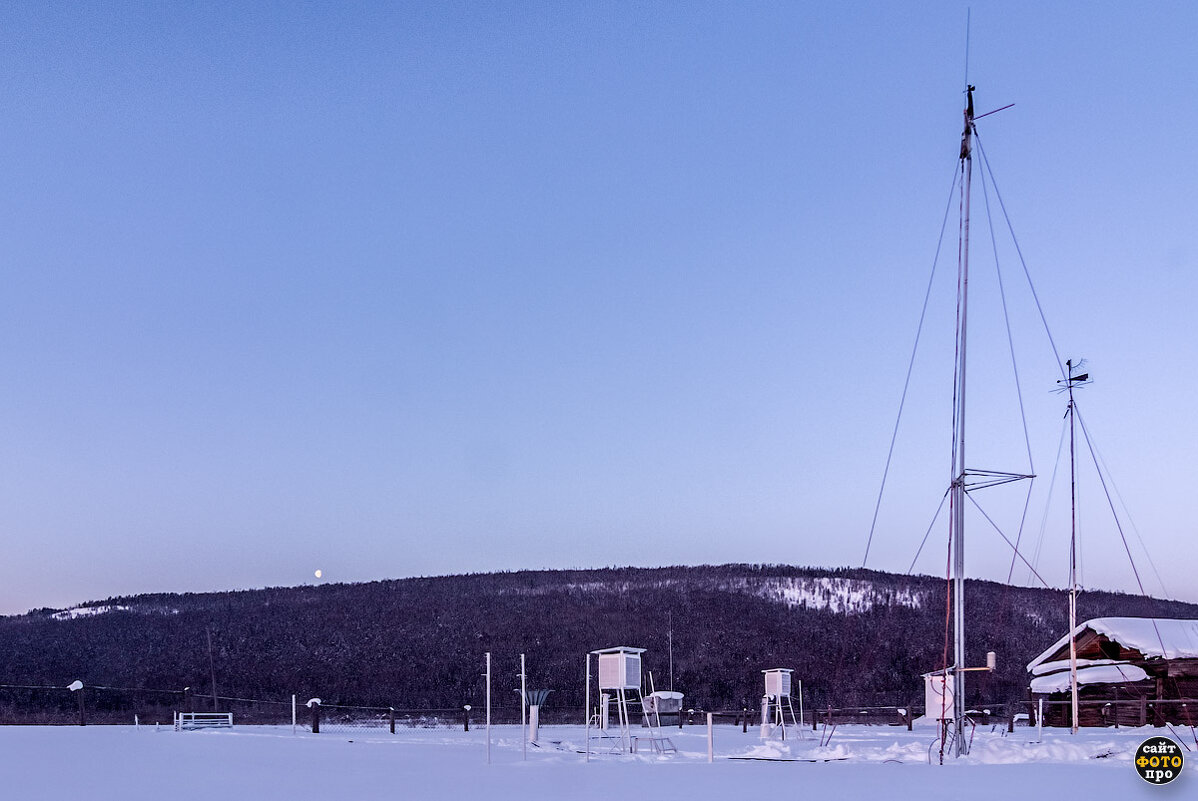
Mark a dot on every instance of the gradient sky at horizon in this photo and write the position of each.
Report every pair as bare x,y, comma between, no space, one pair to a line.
454,287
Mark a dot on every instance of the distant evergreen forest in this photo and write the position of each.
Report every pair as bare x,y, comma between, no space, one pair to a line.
854,637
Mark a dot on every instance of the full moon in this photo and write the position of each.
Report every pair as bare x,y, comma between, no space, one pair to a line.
319,573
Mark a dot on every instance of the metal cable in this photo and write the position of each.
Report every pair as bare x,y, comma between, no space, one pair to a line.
1127,513
1027,273
1005,538
910,366
931,525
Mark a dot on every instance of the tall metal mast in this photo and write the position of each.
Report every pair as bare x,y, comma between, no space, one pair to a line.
1071,381
961,745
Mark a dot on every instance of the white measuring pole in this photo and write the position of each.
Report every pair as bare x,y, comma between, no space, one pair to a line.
293,713
710,740
586,707
800,708
488,707
1040,723
523,708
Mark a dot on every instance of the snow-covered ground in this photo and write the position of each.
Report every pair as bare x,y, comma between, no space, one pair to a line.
99,763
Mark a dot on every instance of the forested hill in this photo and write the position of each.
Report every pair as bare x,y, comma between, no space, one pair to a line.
855,637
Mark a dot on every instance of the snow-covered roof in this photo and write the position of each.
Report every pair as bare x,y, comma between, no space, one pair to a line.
1100,674
1153,637
1044,668
619,649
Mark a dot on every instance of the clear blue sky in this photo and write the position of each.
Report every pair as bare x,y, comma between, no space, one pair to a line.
456,287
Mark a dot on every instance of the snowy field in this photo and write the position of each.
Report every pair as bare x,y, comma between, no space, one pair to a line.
99,763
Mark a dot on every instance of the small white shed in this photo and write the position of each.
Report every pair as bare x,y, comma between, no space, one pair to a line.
619,668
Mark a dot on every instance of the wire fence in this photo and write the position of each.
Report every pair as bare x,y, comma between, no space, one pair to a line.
34,704
49,705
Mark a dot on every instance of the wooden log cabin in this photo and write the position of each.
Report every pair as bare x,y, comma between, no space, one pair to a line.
1130,672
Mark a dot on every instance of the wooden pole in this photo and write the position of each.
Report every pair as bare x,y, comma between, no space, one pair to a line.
391,718
82,713
315,717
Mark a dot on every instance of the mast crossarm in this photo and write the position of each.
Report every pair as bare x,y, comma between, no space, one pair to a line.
992,478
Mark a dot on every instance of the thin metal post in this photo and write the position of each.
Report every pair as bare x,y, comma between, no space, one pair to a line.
710,740
670,639
488,707
586,707
212,670
800,723
293,722
523,708
1072,560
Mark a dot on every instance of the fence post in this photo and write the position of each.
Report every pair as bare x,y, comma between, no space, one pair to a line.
391,717
82,713
315,705
744,717
466,717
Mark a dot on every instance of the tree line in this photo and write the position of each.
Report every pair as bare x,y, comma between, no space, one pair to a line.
419,642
